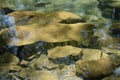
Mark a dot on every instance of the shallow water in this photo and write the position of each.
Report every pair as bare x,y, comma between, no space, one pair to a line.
103,14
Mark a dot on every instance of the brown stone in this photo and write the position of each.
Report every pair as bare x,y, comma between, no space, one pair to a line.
95,68
111,77
59,52
30,17
86,54
36,26
28,73
9,59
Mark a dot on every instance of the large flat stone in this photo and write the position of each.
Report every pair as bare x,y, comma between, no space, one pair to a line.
50,30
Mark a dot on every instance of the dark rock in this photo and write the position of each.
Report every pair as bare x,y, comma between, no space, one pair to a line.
115,30
110,8
72,21
7,10
42,4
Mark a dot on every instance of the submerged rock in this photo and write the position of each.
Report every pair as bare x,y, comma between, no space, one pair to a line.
48,28
8,62
92,54
59,52
65,55
94,68
69,55
9,59
43,63
115,76
43,75
98,68
110,51
111,77
28,73
67,73
31,17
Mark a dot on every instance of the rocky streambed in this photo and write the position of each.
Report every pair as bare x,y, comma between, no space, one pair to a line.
57,46
62,63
